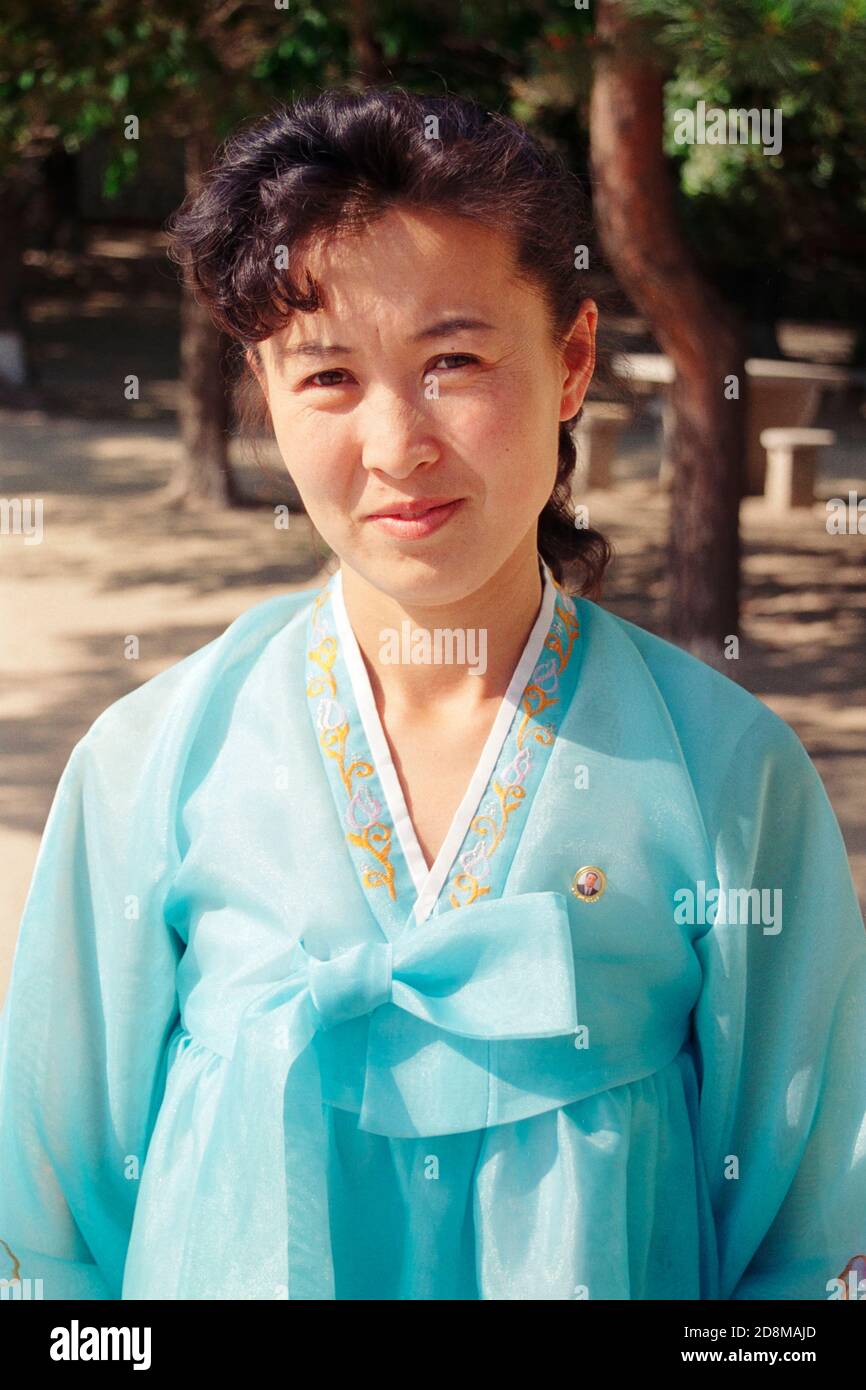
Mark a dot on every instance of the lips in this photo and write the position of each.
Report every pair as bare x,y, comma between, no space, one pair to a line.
417,519
409,511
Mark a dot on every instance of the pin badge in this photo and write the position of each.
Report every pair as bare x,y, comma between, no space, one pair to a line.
589,883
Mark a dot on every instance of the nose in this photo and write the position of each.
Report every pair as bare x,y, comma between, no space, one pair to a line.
394,438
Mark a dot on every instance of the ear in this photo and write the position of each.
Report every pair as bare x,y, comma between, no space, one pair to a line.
579,359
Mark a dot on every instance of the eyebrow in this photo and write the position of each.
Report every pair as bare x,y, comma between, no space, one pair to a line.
441,329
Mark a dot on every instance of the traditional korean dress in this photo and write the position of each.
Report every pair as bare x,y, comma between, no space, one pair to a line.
610,1045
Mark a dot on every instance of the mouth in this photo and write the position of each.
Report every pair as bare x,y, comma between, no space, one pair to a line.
416,519
411,508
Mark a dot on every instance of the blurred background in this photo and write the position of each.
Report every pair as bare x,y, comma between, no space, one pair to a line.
722,449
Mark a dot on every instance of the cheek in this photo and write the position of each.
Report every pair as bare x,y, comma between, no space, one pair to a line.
311,450
512,447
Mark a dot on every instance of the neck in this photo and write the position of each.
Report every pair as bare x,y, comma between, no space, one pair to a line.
482,637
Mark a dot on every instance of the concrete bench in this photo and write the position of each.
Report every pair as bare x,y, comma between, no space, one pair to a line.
790,476
597,435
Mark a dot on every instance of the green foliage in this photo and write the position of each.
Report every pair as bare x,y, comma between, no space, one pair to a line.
85,66
796,220
80,67
803,211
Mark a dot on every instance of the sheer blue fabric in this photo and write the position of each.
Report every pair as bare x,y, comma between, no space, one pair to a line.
235,1064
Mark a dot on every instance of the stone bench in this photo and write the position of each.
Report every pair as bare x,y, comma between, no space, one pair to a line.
597,435
790,476
781,394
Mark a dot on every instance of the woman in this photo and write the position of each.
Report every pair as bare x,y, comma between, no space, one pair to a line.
351,973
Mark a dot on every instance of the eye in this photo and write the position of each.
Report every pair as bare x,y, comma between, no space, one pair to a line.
335,371
461,358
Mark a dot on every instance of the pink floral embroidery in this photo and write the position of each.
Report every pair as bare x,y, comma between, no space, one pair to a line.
363,810
329,715
475,862
546,676
515,773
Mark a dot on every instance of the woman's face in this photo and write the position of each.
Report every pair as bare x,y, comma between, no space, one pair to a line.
418,411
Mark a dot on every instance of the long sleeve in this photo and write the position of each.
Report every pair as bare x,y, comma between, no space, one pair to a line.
87,1018
780,1027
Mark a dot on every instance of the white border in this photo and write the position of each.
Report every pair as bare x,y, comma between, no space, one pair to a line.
428,882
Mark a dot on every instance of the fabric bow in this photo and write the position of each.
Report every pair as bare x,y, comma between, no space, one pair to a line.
259,1223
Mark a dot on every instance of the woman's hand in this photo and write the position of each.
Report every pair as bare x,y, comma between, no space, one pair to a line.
857,1263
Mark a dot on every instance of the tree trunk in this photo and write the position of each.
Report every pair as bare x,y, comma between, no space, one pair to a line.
635,211
366,53
204,473
17,378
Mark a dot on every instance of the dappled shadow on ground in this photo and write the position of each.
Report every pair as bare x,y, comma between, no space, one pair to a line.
100,315
111,561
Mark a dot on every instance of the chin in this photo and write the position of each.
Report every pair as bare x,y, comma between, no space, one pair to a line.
425,581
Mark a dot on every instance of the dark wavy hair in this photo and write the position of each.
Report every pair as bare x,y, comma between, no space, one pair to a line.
337,162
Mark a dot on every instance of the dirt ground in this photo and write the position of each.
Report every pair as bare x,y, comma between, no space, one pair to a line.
114,562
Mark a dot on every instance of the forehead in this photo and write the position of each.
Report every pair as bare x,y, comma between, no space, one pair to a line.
406,265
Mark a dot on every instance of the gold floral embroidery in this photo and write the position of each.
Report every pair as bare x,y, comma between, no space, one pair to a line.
491,831
377,840
375,836
535,699
324,655
509,799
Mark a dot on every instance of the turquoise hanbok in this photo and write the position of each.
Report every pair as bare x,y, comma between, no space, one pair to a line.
611,1044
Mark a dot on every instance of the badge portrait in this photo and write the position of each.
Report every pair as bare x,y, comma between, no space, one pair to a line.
424,591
